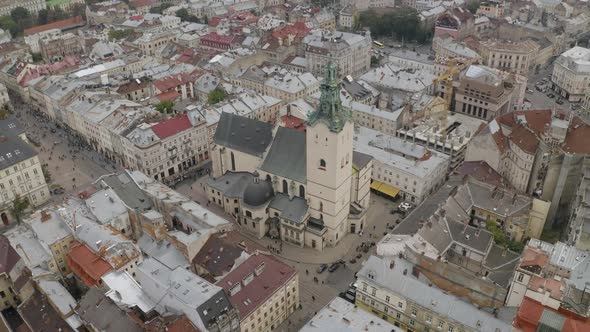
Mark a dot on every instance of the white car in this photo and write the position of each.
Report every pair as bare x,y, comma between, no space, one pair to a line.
405,206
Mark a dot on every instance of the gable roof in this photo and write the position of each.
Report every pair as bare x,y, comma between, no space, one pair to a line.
243,134
287,155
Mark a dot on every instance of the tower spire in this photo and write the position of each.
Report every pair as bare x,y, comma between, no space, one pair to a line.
330,110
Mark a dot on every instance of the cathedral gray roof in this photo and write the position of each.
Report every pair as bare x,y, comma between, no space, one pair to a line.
243,134
287,155
258,192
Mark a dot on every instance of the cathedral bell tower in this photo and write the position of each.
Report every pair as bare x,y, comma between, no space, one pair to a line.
329,138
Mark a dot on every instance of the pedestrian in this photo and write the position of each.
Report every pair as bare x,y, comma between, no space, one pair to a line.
313,298
306,272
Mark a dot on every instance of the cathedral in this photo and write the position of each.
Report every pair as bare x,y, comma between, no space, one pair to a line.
306,187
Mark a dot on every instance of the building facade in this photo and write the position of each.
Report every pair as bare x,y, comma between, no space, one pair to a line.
350,52
571,73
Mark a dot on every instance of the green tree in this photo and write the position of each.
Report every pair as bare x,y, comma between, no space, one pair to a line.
19,206
7,23
42,17
403,23
216,96
46,173
164,106
37,57
473,6
115,34
183,14
160,9
19,14
501,239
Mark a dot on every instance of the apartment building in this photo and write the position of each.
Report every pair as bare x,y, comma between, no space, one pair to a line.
55,47
21,174
33,6
150,43
482,93
552,275
401,166
278,82
541,152
491,8
264,290
515,57
169,149
53,233
350,52
571,73
392,290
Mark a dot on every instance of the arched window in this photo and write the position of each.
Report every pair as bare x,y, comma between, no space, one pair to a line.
322,164
301,191
285,187
233,162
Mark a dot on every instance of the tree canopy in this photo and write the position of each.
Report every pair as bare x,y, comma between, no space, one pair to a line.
216,96
401,23
164,106
501,239
115,34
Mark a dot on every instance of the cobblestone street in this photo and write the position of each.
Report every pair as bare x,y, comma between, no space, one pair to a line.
70,166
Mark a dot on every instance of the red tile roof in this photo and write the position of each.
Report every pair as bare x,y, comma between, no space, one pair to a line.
525,139
86,264
530,312
293,122
275,274
219,254
172,126
68,23
298,30
170,95
481,171
171,82
8,256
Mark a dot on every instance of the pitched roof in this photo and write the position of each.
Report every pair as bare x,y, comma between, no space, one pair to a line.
39,315
243,134
101,312
481,171
68,23
287,155
91,264
8,256
172,126
219,253
269,274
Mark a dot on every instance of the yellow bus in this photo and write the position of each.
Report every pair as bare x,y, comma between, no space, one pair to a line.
378,44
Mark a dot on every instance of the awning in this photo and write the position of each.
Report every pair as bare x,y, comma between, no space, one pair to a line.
385,188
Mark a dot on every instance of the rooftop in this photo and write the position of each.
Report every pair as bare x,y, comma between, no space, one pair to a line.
342,316
252,283
243,134
97,310
39,315
395,152
431,298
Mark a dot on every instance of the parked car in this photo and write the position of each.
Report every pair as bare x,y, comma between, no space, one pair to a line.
529,91
334,267
550,95
538,88
559,101
322,268
405,206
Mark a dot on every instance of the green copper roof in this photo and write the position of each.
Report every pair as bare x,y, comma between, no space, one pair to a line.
330,110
